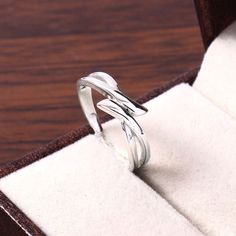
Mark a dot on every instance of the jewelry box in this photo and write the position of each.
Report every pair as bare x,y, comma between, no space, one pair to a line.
74,186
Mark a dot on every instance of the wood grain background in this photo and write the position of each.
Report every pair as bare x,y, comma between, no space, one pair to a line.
45,46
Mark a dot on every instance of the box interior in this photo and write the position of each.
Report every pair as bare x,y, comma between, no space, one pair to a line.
188,187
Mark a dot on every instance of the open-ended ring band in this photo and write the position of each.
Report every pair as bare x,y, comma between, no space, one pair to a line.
118,105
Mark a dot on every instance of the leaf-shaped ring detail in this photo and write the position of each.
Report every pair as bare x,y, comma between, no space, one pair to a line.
120,106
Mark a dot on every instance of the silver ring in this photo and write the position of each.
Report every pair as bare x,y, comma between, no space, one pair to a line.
120,106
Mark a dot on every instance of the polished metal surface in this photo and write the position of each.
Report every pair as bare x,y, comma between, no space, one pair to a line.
120,106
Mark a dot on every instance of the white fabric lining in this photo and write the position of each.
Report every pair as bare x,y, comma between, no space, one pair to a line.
84,190
216,79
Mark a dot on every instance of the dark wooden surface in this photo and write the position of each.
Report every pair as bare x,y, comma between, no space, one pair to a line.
45,46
